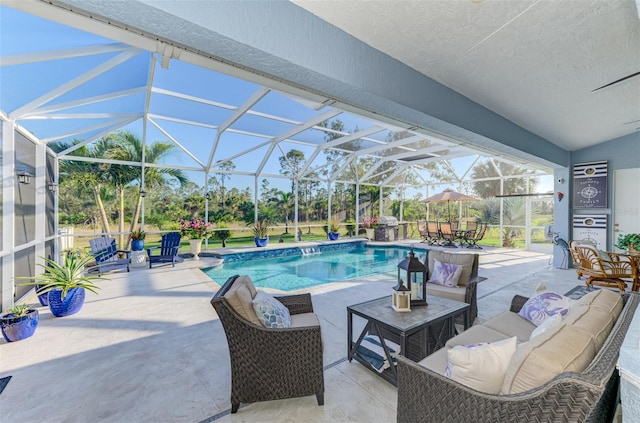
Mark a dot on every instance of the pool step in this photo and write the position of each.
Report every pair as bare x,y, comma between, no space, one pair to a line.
309,251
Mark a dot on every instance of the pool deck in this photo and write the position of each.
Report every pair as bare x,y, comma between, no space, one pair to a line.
150,348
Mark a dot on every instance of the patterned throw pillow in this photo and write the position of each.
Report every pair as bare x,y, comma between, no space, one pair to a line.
539,308
271,312
446,274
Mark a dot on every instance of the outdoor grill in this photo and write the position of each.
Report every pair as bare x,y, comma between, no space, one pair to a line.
387,229
389,221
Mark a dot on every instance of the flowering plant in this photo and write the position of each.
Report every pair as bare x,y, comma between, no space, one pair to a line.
137,235
196,229
370,222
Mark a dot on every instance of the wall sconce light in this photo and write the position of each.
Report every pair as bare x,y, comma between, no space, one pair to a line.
208,197
142,193
52,186
24,177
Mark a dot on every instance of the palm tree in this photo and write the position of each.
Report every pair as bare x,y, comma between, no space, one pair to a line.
128,147
285,201
221,177
88,176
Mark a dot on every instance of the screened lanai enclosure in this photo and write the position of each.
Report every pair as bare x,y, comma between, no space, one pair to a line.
106,135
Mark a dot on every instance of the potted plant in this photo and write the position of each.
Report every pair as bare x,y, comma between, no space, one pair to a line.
351,227
222,233
196,230
370,224
20,322
66,283
260,233
137,240
630,242
334,227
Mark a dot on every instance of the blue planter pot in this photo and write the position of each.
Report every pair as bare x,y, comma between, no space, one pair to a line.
137,244
333,236
18,328
71,304
42,298
261,242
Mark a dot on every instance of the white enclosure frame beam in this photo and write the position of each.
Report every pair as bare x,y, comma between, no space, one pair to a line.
240,111
74,83
293,131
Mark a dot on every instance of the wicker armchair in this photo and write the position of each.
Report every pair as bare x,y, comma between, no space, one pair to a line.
468,283
634,263
269,364
599,271
589,396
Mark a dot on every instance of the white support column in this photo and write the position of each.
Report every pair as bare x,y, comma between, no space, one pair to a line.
426,195
400,218
8,211
255,198
460,207
357,206
56,206
380,202
206,204
328,201
40,202
329,196
142,181
501,208
295,213
527,219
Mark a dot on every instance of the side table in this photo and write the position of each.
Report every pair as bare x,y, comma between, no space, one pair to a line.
138,258
418,333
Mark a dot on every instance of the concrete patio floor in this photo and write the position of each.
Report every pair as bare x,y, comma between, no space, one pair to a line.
150,348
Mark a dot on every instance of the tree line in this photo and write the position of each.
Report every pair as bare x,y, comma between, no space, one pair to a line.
99,192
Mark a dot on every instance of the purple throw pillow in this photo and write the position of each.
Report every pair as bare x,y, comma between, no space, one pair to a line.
539,308
446,274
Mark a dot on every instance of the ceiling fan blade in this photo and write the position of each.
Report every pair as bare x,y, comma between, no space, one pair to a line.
615,82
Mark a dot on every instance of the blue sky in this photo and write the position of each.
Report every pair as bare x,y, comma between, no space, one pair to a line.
22,33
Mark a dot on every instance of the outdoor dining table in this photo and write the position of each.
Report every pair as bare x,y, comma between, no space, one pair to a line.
462,234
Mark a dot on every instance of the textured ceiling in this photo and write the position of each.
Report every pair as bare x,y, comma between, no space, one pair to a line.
534,62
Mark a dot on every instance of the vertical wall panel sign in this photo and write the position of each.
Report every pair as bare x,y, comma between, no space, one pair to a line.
590,185
592,227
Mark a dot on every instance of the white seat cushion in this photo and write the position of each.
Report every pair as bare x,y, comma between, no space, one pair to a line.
304,319
476,334
511,324
436,361
452,293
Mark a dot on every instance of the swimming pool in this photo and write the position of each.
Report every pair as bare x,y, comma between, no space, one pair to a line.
299,271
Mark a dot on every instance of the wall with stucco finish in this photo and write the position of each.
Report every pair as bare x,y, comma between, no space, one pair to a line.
620,153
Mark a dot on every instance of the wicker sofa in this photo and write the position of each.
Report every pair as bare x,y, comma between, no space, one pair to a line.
266,363
426,395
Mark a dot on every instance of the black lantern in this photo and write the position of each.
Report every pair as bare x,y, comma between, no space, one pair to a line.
415,273
24,177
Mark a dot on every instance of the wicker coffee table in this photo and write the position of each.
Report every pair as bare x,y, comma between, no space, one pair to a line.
419,332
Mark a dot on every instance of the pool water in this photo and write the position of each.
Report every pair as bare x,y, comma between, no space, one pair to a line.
298,271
